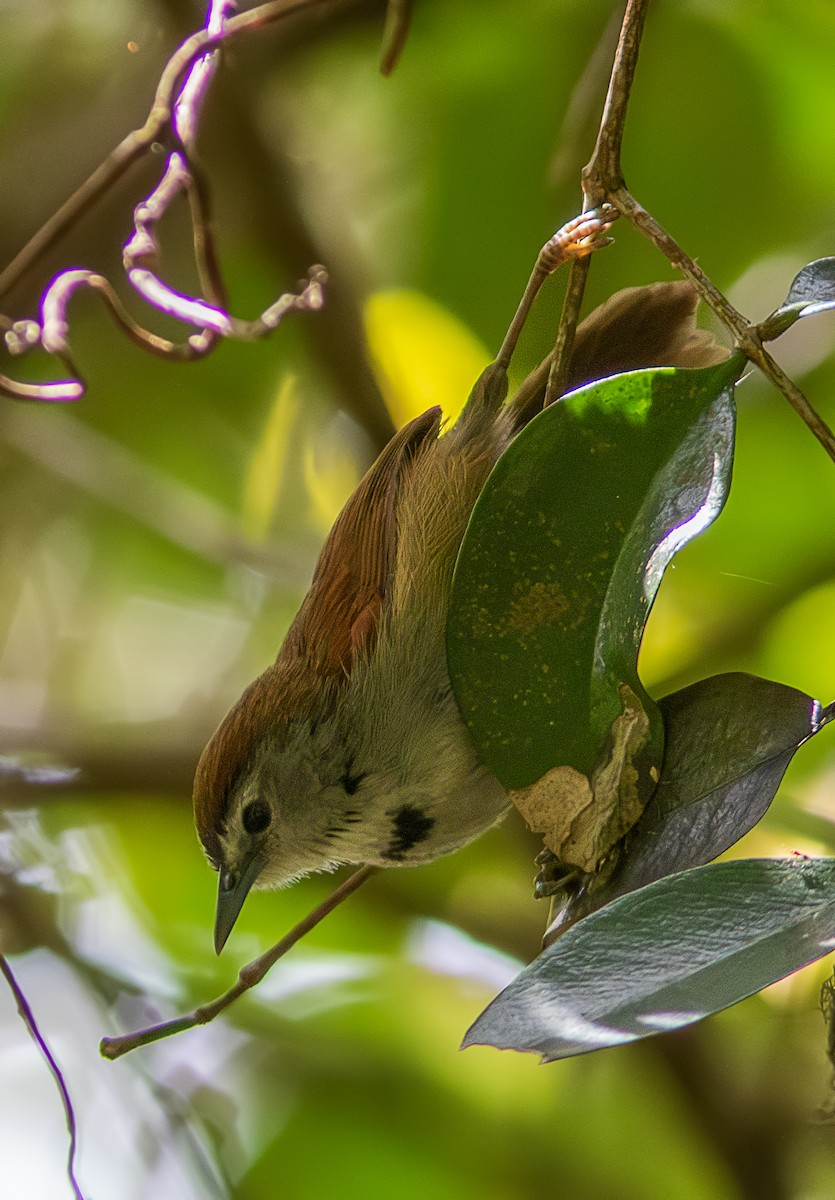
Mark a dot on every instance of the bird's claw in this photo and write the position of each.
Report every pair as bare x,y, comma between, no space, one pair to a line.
552,876
578,237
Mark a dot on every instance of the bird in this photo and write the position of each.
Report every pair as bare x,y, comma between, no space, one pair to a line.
350,748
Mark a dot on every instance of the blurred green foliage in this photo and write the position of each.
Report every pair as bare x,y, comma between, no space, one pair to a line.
130,619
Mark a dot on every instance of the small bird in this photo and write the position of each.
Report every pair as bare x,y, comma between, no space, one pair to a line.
350,747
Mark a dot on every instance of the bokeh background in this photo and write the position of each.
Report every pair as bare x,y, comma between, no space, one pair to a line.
156,537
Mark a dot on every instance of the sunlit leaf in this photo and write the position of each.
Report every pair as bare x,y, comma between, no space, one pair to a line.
422,354
564,554
266,468
666,956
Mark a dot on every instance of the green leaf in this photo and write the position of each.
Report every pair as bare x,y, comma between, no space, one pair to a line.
812,291
729,740
666,956
563,556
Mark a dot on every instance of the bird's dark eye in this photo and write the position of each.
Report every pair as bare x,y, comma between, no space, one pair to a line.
256,816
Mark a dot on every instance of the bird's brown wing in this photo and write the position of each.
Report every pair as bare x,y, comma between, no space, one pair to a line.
339,616
342,610
652,326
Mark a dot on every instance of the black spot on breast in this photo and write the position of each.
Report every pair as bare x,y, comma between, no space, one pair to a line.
351,782
410,827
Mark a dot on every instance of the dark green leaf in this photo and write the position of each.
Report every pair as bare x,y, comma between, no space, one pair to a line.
564,554
729,740
812,291
666,956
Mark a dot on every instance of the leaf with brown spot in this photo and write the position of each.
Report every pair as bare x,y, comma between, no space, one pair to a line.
583,819
729,740
553,585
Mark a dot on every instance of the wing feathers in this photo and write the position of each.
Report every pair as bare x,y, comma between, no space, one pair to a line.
341,612
652,326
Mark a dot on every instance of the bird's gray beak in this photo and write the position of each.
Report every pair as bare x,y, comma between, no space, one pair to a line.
233,889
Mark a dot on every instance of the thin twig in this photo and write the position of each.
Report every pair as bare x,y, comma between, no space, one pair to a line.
28,1018
560,358
576,239
212,283
186,115
580,117
395,33
141,259
248,977
343,355
141,255
601,172
746,335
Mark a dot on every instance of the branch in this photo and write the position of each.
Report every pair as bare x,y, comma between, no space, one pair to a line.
560,357
395,33
603,182
248,977
602,173
572,243
605,163
580,117
28,1018
746,335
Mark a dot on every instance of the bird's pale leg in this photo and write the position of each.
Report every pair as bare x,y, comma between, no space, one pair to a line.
575,239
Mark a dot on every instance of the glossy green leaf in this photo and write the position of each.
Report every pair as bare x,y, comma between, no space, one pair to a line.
814,286
666,956
728,742
564,554
812,291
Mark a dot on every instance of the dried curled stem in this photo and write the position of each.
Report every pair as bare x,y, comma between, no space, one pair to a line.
175,114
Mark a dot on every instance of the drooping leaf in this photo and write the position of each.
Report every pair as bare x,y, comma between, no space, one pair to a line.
583,817
266,468
729,740
564,554
812,291
666,956
331,475
422,355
